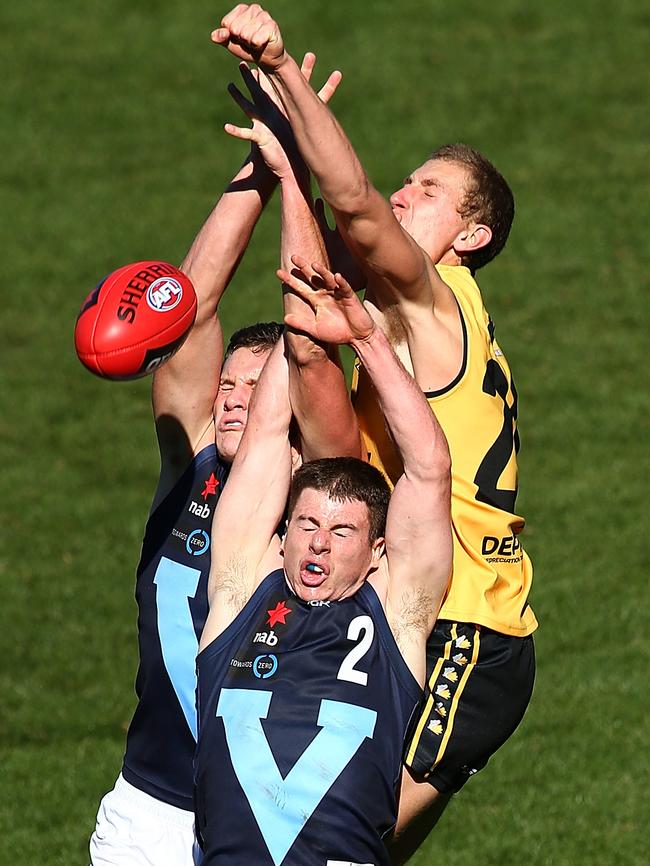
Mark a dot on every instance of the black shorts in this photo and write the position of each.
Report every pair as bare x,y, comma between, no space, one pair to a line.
479,683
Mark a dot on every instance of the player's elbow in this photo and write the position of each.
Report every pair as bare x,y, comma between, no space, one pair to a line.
433,465
354,200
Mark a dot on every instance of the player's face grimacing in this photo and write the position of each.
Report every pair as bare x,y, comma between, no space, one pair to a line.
427,206
327,555
238,380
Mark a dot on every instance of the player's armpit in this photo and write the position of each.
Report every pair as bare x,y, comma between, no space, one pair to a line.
410,613
436,343
232,583
229,588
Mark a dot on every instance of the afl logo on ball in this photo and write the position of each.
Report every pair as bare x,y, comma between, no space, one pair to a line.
163,294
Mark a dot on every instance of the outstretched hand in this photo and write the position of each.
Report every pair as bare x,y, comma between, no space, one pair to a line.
332,313
249,32
270,129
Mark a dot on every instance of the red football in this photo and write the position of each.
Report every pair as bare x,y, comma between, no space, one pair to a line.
134,320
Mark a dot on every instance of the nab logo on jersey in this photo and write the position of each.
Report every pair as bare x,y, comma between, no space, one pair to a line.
268,637
199,510
164,294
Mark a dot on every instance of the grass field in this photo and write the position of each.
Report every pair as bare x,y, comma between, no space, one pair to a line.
112,151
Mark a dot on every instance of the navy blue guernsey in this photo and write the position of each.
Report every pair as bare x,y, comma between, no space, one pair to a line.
303,709
171,591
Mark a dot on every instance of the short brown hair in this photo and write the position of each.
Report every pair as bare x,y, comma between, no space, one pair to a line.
345,479
260,337
488,199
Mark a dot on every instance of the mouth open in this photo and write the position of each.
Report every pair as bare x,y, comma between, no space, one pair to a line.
312,573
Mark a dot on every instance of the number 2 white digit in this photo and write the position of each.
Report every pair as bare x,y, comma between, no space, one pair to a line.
347,671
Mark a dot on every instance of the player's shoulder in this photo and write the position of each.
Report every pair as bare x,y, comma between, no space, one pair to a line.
180,477
468,297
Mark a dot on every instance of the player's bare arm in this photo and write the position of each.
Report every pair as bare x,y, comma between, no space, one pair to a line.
418,531
400,273
250,33
244,544
185,388
319,393
418,526
316,375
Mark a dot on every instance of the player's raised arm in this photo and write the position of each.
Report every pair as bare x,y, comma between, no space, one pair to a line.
387,252
319,394
253,500
316,375
418,530
418,526
184,389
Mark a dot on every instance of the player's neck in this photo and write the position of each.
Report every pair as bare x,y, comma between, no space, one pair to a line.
451,258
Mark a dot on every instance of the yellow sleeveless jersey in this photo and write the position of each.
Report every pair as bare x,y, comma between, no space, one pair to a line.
492,573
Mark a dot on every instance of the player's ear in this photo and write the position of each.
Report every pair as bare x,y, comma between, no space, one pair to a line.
296,457
473,237
378,549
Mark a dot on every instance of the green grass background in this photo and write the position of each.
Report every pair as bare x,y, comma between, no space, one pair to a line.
111,150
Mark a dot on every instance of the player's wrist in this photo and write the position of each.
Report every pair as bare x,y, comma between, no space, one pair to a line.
281,67
295,184
366,339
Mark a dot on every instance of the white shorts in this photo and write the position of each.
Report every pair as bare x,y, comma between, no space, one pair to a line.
135,829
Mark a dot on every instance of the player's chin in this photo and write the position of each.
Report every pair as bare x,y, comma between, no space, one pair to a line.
309,586
228,441
312,593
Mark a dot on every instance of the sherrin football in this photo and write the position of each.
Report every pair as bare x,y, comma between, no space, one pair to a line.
135,320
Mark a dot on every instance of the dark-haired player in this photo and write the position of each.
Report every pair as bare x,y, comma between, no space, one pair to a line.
201,410
418,255
314,652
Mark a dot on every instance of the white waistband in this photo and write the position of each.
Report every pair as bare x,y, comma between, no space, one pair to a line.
126,791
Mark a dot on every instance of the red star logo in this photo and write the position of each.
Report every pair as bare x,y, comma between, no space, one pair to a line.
211,485
278,614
